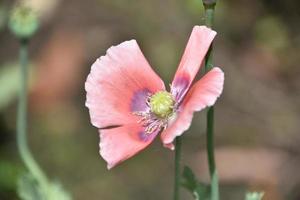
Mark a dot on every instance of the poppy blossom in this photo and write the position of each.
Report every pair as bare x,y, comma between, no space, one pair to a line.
130,105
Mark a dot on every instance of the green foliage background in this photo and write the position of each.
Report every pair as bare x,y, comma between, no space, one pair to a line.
257,117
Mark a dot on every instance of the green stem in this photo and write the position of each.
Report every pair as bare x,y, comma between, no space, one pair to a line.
209,6
24,151
177,167
211,155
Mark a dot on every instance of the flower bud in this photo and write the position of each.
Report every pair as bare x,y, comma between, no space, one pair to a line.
23,22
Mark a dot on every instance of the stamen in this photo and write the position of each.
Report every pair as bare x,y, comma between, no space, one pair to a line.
161,108
162,104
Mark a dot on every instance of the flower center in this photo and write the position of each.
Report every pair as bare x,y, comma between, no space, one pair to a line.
162,104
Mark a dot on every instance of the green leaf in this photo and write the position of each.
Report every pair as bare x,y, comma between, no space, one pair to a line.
200,191
57,192
30,189
254,196
189,180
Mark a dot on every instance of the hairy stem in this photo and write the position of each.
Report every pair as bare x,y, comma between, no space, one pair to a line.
209,7
177,167
24,151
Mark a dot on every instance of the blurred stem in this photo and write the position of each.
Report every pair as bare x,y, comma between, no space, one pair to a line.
24,151
209,7
177,167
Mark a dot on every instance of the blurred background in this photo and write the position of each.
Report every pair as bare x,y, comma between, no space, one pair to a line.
257,117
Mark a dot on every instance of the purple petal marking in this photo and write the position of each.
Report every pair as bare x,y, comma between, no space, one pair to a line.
179,87
146,136
139,100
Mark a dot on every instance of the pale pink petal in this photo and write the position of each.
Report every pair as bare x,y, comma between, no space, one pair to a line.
118,85
119,144
203,94
195,51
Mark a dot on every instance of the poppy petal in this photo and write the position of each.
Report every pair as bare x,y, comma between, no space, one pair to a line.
118,85
203,94
121,143
195,51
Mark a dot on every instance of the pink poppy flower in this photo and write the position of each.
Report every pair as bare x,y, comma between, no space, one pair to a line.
130,106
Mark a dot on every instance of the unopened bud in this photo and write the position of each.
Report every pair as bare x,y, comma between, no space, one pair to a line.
23,22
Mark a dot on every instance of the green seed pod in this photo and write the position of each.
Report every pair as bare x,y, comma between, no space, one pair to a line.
23,22
161,104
